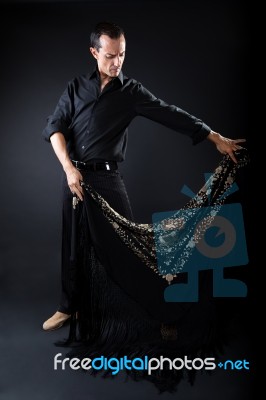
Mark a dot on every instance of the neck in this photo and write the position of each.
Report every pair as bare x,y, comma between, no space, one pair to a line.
104,78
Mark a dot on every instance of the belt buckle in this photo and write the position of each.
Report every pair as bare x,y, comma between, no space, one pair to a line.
78,164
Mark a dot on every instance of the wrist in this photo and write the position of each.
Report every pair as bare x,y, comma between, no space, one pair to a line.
214,137
68,166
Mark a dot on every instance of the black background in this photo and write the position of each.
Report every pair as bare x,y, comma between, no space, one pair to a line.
193,54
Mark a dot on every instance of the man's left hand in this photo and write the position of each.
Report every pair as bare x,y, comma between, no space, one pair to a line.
225,145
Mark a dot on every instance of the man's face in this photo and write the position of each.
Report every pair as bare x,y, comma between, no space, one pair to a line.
110,56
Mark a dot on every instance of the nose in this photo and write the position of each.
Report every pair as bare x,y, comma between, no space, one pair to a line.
118,61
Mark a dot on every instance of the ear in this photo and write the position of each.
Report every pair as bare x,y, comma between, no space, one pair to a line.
94,52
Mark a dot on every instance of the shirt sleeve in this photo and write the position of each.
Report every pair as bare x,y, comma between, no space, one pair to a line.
149,106
61,119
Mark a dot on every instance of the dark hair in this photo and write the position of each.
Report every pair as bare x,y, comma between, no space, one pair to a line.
105,28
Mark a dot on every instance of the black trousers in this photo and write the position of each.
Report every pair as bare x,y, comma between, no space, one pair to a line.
111,186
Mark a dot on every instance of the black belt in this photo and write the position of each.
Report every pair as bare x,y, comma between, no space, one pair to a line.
95,166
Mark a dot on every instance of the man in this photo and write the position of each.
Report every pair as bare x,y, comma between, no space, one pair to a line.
88,132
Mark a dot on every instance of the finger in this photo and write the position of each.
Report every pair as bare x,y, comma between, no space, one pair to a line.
72,188
80,186
239,140
80,196
232,156
75,191
79,193
80,189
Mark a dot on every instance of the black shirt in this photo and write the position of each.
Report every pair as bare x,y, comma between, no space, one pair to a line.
95,123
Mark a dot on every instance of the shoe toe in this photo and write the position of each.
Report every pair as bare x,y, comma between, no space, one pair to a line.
55,322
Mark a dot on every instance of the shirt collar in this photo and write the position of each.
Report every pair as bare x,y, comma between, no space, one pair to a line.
95,73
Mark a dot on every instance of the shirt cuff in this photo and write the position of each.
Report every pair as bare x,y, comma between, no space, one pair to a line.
200,135
53,128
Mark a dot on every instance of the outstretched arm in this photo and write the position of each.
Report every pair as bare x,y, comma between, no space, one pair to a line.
175,118
225,145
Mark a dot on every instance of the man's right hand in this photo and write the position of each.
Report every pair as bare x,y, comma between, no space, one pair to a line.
74,179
